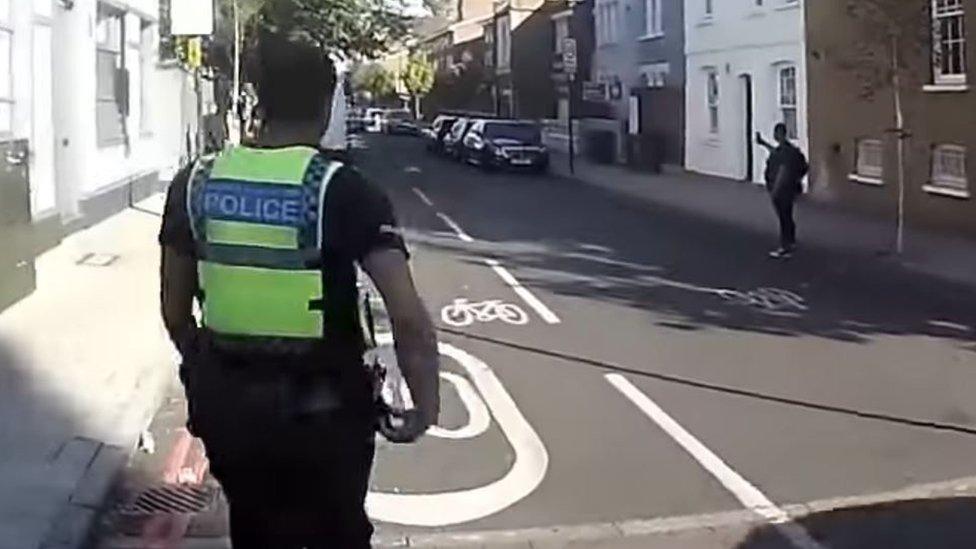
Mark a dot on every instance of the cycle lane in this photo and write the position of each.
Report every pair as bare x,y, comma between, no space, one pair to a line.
594,473
853,350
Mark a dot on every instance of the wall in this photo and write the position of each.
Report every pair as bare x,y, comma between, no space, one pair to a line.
533,37
740,39
930,118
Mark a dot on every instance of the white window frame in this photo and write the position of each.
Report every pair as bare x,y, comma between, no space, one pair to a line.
713,98
653,18
655,75
504,42
868,161
7,96
607,22
783,103
946,183
942,11
147,33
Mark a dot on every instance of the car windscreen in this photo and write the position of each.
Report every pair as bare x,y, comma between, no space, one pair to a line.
398,115
526,133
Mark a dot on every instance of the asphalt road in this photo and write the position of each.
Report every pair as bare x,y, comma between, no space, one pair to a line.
664,367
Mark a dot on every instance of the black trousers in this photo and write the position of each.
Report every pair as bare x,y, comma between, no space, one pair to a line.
293,478
784,202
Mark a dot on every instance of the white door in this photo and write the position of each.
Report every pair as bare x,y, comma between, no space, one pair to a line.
43,193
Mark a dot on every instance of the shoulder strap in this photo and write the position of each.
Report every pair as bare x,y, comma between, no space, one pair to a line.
332,167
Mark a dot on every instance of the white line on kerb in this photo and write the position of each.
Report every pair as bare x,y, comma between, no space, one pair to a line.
423,197
749,495
527,296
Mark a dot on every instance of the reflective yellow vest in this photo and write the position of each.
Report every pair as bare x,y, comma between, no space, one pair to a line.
257,218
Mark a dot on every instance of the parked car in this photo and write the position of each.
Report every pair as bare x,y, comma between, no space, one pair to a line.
510,144
434,136
453,141
355,121
400,122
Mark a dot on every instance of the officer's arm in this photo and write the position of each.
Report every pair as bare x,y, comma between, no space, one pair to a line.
413,331
178,285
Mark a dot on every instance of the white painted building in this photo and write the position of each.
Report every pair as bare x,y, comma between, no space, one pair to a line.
64,65
745,72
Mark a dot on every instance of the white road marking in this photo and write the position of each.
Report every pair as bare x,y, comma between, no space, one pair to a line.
455,227
527,296
423,197
446,508
478,417
746,493
412,169
463,313
530,299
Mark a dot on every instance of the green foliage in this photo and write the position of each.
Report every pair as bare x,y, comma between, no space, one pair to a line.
418,76
375,79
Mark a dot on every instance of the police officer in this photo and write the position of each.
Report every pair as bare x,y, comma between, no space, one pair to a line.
266,239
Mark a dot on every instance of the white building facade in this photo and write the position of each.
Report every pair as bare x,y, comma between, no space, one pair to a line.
746,71
85,99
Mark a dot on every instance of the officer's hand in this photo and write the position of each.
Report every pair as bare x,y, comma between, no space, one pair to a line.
403,427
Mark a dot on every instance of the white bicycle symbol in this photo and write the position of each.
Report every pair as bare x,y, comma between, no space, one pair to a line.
463,313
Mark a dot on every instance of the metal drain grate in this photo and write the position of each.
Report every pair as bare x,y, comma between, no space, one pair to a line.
171,499
97,260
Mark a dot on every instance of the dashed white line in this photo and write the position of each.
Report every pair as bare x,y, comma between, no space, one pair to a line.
528,297
455,227
742,489
423,197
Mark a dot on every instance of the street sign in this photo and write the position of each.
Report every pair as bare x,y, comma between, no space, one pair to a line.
191,18
594,91
570,60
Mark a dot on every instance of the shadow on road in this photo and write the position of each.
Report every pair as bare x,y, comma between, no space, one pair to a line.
917,524
578,240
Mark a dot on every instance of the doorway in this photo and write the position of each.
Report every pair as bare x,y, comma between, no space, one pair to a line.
749,128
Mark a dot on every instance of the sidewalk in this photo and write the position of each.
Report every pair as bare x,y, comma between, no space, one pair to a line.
83,361
747,206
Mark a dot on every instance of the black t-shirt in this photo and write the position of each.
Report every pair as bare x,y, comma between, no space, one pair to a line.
359,219
793,159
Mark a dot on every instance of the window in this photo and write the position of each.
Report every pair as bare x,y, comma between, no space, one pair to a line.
709,8
6,69
607,22
712,93
489,33
109,122
655,75
787,100
948,42
654,21
504,39
870,160
949,171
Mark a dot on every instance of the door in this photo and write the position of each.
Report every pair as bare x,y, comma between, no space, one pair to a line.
748,129
43,189
17,252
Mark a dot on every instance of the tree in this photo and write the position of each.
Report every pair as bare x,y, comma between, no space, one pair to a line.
892,41
375,80
418,79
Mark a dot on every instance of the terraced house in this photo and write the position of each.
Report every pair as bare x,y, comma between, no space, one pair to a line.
854,144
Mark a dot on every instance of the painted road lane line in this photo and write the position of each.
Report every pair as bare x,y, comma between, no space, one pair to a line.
526,473
742,489
528,297
423,197
455,227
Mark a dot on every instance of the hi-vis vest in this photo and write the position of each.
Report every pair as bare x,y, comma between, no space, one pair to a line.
257,218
